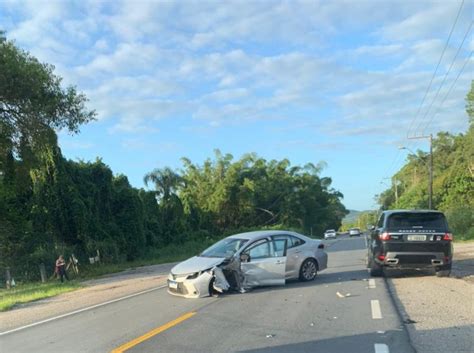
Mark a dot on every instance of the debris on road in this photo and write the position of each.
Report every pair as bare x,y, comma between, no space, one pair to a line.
270,335
409,321
343,295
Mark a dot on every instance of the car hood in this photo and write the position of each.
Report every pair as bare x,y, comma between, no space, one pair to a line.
196,264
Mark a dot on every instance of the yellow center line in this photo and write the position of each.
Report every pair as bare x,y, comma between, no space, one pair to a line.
152,333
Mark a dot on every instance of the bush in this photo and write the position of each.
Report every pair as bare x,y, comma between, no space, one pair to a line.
461,222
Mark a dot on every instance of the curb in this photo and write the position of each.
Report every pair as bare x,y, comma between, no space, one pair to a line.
403,315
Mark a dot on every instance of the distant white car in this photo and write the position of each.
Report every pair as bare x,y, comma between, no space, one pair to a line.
354,232
330,234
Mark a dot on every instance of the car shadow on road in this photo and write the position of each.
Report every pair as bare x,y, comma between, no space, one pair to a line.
463,268
321,280
362,343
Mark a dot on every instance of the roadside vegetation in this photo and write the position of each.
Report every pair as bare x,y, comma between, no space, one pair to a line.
453,178
50,205
24,293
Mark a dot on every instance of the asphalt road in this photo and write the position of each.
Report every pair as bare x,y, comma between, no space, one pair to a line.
341,311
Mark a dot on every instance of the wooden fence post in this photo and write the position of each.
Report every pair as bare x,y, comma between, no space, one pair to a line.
8,277
42,273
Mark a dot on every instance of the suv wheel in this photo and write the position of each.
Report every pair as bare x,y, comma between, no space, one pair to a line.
443,273
375,270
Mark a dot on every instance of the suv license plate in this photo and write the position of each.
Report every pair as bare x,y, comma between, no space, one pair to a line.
173,284
416,237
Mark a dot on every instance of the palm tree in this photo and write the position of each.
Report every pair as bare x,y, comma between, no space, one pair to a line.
166,182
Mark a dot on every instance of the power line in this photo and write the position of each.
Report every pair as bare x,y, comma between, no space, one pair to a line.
437,66
444,79
396,158
449,91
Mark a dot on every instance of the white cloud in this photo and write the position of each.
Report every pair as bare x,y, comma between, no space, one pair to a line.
426,21
101,45
378,50
233,62
76,145
127,57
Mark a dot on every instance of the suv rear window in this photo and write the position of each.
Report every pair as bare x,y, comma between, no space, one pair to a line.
417,220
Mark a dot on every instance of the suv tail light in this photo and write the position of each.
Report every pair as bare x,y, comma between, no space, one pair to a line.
385,236
448,236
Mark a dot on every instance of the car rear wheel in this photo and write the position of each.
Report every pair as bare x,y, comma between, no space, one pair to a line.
375,270
443,273
308,270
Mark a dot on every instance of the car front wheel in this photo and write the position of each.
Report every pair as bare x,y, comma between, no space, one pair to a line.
308,270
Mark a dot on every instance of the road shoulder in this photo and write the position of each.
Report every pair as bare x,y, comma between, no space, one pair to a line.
437,312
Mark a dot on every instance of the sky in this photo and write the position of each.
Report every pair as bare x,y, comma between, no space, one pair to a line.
344,82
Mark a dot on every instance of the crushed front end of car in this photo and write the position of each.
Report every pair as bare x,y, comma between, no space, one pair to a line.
191,285
218,279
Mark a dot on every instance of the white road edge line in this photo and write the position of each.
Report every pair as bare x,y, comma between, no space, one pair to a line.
376,312
381,348
81,310
371,283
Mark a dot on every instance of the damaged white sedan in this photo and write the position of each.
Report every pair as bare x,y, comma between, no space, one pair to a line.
247,260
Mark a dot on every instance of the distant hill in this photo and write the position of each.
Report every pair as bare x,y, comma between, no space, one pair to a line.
352,216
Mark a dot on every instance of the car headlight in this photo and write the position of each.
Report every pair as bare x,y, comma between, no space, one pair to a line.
193,275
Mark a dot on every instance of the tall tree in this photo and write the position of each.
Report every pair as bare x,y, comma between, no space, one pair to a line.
32,100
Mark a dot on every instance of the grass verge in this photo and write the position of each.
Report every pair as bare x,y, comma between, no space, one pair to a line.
28,292
24,293
167,254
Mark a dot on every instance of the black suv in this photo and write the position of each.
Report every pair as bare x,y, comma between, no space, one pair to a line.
410,239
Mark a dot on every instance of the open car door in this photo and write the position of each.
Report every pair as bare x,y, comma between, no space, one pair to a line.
264,263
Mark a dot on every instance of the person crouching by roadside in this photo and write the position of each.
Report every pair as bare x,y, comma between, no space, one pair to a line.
61,268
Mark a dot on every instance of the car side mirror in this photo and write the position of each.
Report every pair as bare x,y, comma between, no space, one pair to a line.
244,257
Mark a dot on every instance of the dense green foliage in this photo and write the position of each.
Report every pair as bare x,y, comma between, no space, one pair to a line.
51,206
453,178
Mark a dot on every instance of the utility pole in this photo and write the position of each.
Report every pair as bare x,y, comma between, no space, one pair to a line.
395,182
430,166
431,173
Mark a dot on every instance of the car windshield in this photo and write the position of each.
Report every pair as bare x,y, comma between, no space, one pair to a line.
417,220
224,248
